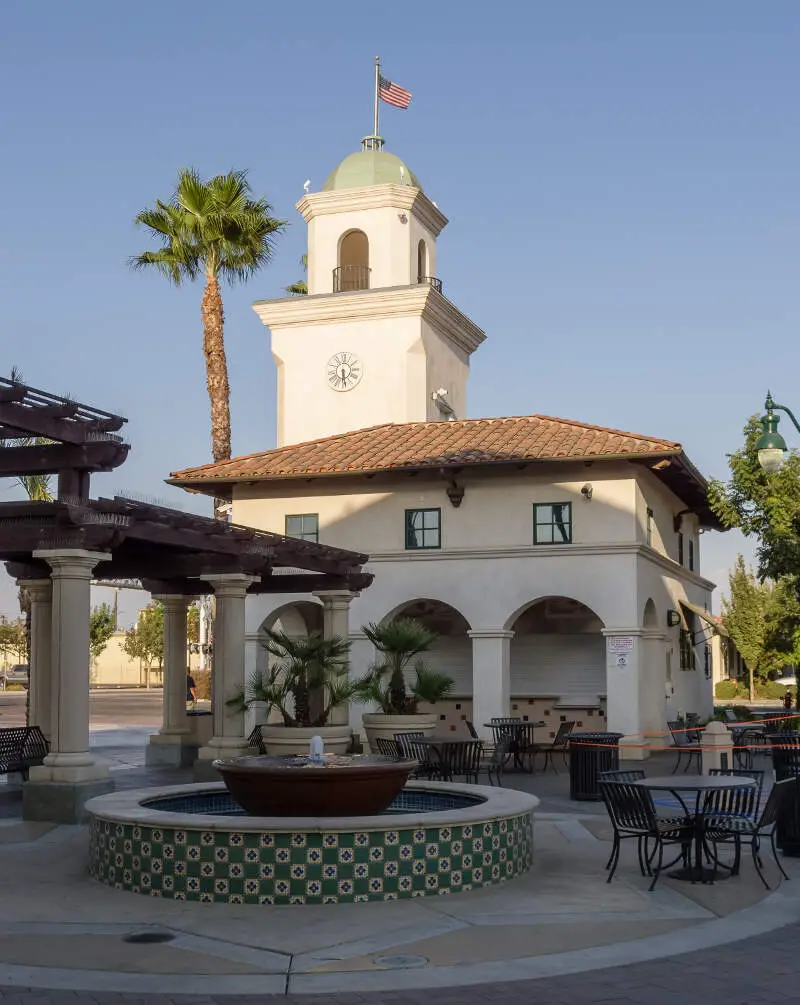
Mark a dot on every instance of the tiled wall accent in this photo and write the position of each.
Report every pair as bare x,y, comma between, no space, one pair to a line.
454,711
233,867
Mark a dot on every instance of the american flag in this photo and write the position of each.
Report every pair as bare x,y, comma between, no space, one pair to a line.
392,94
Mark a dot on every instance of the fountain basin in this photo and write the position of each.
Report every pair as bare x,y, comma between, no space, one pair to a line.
350,785
436,838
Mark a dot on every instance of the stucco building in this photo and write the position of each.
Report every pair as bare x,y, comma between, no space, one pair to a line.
558,561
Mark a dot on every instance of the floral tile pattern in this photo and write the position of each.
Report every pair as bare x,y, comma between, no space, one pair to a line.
240,867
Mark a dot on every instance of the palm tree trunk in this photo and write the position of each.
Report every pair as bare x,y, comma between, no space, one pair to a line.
25,608
216,374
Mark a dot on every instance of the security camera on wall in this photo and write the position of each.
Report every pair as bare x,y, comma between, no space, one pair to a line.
587,491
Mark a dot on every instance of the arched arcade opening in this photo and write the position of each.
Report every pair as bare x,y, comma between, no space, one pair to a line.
558,663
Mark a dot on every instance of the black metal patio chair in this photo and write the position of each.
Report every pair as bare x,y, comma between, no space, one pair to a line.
633,815
428,761
471,729
738,829
460,759
688,750
560,745
621,775
495,763
388,748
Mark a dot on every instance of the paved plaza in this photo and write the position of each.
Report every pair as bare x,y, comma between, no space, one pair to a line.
558,934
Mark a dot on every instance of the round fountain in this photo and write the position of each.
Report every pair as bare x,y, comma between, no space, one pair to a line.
320,829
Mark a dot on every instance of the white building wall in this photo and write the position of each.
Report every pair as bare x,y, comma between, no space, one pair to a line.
489,571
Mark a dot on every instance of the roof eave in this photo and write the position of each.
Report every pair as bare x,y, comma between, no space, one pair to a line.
218,487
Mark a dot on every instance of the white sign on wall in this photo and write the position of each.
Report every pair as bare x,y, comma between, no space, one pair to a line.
620,644
622,661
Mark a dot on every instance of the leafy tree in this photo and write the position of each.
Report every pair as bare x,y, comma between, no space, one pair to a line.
749,616
193,623
13,639
212,229
102,625
763,505
300,288
145,641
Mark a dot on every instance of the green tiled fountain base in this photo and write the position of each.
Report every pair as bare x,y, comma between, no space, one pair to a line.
250,867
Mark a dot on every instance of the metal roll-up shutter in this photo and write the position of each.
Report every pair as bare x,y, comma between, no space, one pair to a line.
572,666
452,656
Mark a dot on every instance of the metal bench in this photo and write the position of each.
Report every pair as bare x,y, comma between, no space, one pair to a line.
21,747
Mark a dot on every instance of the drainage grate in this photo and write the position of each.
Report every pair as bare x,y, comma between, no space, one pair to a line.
148,938
396,962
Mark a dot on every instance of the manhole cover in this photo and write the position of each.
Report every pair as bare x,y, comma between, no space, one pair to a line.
148,938
400,961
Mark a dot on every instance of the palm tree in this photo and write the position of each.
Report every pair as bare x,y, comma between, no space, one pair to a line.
212,229
400,643
300,288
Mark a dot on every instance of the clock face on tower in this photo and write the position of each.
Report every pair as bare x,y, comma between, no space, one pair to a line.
344,371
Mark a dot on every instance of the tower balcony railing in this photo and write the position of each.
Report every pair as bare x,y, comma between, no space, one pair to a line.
347,278
431,281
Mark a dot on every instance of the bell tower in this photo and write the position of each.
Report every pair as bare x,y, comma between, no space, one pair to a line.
375,340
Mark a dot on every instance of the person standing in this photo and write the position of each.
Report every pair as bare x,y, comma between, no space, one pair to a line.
191,688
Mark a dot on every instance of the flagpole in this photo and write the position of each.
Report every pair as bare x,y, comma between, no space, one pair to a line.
377,93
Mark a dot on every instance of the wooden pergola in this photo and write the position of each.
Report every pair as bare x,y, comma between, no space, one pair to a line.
157,544
58,548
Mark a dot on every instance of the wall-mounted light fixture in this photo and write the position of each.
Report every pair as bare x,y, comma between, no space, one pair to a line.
587,491
673,618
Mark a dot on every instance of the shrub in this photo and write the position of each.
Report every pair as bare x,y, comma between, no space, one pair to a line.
202,683
742,712
771,689
726,690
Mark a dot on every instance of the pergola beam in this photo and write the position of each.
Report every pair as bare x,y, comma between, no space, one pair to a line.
51,458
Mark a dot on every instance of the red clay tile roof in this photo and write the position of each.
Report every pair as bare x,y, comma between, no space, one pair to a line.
416,445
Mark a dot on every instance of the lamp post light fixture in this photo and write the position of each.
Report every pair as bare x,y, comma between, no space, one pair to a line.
771,446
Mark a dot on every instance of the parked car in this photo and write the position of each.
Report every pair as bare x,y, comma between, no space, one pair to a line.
17,674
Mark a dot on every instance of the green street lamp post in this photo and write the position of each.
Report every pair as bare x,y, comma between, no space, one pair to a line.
771,446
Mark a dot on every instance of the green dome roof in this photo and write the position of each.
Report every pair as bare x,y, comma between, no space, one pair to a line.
370,167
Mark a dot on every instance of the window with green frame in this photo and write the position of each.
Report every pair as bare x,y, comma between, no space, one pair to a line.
552,523
303,525
423,529
686,650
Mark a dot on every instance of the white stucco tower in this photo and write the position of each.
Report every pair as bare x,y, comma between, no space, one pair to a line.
375,340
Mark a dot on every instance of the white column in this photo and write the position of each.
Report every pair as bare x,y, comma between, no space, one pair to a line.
491,676
40,592
362,656
165,746
336,622
626,690
229,737
69,759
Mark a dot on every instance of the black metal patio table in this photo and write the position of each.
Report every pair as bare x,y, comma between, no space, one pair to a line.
440,745
701,785
522,739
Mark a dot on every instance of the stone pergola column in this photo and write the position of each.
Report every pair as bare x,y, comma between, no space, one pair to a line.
167,747
40,685
491,676
229,737
336,622
70,774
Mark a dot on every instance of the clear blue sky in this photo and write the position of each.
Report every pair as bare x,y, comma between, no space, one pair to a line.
620,177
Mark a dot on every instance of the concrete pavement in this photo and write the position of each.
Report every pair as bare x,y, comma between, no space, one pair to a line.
550,936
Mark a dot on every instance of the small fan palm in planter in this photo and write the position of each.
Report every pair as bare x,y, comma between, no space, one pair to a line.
306,681
389,684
